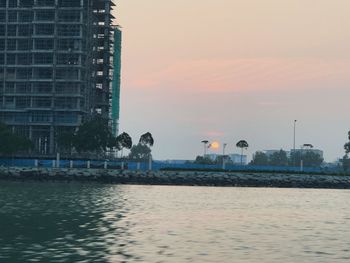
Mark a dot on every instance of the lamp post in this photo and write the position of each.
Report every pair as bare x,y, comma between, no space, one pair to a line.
223,155
205,142
295,122
305,145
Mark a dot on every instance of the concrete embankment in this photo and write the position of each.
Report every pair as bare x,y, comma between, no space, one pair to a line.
177,178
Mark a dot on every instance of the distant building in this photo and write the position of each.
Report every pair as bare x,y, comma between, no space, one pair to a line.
235,158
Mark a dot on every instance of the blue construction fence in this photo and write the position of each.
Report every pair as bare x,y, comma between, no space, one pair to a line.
156,165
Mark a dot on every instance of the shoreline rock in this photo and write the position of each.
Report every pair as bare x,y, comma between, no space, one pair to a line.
188,178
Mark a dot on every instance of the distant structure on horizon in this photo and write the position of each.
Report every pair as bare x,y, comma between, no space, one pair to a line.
316,151
235,158
56,67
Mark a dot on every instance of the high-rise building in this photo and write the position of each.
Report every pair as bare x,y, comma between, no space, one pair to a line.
55,66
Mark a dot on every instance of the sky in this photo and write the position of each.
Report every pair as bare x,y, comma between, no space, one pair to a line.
226,70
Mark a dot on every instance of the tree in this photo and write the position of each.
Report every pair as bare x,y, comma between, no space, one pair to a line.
66,141
309,158
11,143
279,158
146,139
122,141
219,160
346,159
203,160
243,145
347,145
93,135
140,152
260,158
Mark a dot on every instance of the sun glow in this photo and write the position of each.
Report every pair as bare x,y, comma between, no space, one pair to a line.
215,145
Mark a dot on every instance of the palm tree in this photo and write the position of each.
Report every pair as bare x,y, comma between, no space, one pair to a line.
123,141
146,139
243,145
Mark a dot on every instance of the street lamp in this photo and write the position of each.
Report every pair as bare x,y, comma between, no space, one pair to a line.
295,122
223,155
307,146
205,142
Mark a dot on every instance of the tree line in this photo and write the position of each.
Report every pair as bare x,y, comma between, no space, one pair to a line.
11,143
95,136
281,158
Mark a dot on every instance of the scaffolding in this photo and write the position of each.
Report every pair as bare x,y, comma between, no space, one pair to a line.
115,101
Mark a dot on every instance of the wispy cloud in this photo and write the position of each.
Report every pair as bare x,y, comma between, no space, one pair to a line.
244,74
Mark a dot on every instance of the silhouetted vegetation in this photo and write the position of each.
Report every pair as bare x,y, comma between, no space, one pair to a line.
310,159
92,136
146,139
260,158
243,145
346,159
140,152
280,158
11,143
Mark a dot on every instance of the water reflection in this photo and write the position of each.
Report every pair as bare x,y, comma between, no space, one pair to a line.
43,222
63,223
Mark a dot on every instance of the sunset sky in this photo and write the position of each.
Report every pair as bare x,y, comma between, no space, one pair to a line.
227,70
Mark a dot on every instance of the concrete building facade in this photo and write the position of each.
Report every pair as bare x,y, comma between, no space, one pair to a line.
55,66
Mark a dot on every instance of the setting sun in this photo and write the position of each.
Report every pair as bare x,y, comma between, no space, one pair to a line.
215,145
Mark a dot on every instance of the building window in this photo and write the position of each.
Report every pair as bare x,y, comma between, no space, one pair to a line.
25,3
24,59
42,44
47,15
23,87
45,2
11,59
42,87
24,44
12,16
2,30
11,44
68,44
43,58
68,59
41,102
69,30
24,73
22,102
11,30
66,103
10,87
69,3
43,73
44,29
67,88
67,74
24,30
25,16
69,16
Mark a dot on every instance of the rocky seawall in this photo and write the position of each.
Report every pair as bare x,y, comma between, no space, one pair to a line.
191,178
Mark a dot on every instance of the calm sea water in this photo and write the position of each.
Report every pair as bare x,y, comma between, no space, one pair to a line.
43,222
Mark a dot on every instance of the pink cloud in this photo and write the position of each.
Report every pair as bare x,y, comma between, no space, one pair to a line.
243,74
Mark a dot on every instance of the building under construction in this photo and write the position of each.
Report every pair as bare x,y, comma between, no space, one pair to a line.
56,66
